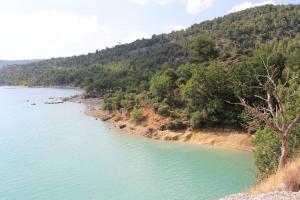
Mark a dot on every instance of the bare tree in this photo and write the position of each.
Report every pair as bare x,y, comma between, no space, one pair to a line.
273,114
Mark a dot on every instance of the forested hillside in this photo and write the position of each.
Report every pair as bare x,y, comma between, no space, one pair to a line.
134,64
195,77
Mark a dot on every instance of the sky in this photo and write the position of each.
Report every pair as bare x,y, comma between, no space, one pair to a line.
35,29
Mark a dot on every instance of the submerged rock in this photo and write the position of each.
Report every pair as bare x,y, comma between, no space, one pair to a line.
149,132
121,126
105,118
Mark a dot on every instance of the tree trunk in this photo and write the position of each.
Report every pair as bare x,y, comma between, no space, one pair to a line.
284,153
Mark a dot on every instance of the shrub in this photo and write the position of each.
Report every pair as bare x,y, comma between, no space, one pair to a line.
136,115
156,106
160,86
267,151
198,119
127,103
175,125
164,110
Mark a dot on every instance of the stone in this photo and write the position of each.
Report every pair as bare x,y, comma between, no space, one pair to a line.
121,126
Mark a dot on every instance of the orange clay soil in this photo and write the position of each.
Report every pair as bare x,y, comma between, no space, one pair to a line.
150,127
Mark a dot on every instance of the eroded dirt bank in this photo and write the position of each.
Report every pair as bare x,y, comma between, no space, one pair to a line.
151,127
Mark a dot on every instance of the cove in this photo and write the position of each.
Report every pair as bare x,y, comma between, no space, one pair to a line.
57,152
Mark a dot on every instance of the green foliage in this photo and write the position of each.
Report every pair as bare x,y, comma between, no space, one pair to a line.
136,115
207,91
175,125
163,110
294,61
267,150
119,99
198,119
161,86
267,144
203,49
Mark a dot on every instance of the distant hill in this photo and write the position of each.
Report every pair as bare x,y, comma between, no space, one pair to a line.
16,62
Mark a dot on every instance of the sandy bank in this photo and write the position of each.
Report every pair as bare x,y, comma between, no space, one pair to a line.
151,128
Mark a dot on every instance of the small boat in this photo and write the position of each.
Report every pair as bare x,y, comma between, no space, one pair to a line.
33,104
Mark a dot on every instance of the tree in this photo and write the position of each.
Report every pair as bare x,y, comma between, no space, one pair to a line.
274,113
203,49
161,86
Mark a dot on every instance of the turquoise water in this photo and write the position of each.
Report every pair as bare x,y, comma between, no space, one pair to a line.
56,152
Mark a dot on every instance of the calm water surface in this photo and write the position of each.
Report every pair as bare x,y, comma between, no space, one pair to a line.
56,152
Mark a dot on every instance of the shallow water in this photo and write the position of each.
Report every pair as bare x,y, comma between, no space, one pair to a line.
56,152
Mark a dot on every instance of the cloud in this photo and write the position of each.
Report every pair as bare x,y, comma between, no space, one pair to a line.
49,32
145,2
248,4
197,6
175,27
192,6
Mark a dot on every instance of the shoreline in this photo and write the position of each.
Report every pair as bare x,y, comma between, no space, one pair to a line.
41,86
150,128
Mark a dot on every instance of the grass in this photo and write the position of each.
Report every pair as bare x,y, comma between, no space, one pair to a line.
287,179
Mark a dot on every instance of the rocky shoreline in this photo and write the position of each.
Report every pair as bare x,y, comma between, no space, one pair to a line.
153,128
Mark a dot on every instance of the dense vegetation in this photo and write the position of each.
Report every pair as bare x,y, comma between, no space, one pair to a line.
191,76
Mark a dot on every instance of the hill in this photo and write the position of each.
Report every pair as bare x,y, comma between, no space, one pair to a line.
135,63
16,62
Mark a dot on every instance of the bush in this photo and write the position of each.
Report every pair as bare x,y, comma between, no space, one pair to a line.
267,151
136,115
175,125
198,119
164,110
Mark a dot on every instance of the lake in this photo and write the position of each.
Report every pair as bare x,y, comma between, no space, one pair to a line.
57,152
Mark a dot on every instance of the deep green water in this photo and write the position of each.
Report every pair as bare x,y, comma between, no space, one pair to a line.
56,152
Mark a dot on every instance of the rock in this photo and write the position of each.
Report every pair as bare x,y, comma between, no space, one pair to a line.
149,132
187,137
105,118
171,137
162,128
121,126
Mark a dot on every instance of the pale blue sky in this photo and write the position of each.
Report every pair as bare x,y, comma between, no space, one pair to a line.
52,28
